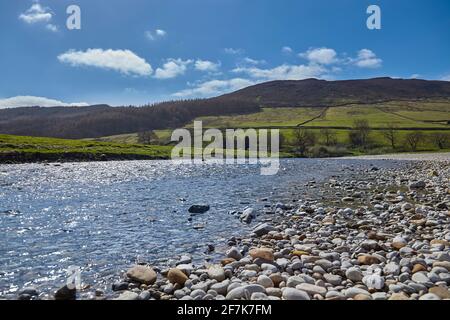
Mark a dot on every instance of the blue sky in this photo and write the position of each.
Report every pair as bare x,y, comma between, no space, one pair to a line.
140,51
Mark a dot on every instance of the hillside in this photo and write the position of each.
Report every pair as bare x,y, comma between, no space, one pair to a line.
102,120
314,93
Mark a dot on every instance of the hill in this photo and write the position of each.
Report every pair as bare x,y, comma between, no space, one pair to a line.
102,120
322,93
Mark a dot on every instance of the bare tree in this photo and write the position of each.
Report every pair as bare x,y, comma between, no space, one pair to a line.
390,134
440,139
413,139
146,137
359,135
303,139
329,136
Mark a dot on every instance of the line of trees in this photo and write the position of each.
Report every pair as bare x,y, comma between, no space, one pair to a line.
304,140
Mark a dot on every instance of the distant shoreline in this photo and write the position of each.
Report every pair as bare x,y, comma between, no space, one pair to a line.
36,157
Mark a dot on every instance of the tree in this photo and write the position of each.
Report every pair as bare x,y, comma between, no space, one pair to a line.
413,139
359,135
440,139
303,139
146,137
329,136
390,134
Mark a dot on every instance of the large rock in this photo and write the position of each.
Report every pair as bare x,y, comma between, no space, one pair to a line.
198,208
216,273
354,274
175,275
263,229
248,215
263,253
294,294
142,274
68,292
128,295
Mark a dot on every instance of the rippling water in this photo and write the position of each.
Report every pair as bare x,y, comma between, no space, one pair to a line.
104,216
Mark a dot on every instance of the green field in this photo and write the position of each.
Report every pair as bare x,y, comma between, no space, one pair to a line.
51,146
427,117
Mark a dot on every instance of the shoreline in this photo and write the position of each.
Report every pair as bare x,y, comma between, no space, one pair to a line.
380,234
74,157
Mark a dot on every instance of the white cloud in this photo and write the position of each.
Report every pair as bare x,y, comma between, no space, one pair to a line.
414,76
320,55
253,61
31,101
123,61
214,87
172,69
285,72
205,65
52,27
154,35
233,51
36,13
287,50
446,78
367,59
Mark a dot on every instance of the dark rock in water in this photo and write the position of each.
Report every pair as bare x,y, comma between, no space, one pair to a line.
29,291
120,286
248,215
210,248
68,292
199,208
374,169
24,297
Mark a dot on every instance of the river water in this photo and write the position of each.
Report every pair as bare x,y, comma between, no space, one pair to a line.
104,216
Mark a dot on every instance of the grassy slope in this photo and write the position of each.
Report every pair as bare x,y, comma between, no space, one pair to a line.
423,115
32,145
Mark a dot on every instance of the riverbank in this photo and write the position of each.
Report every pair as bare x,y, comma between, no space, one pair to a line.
376,234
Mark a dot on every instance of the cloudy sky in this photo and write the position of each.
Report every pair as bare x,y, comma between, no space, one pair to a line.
140,51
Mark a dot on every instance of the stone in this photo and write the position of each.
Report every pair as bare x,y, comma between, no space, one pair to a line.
368,260
258,296
275,292
198,208
142,274
293,281
441,292
312,289
361,297
354,274
128,295
175,275
236,293
221,287
418,185
31,291
263,253
294,294
234,253
198,293
429,296
216,272
335,280
399,296
264,281
418,268
120,286
263,229
420,277
391,268
67,292
374,281
379,296
352,292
